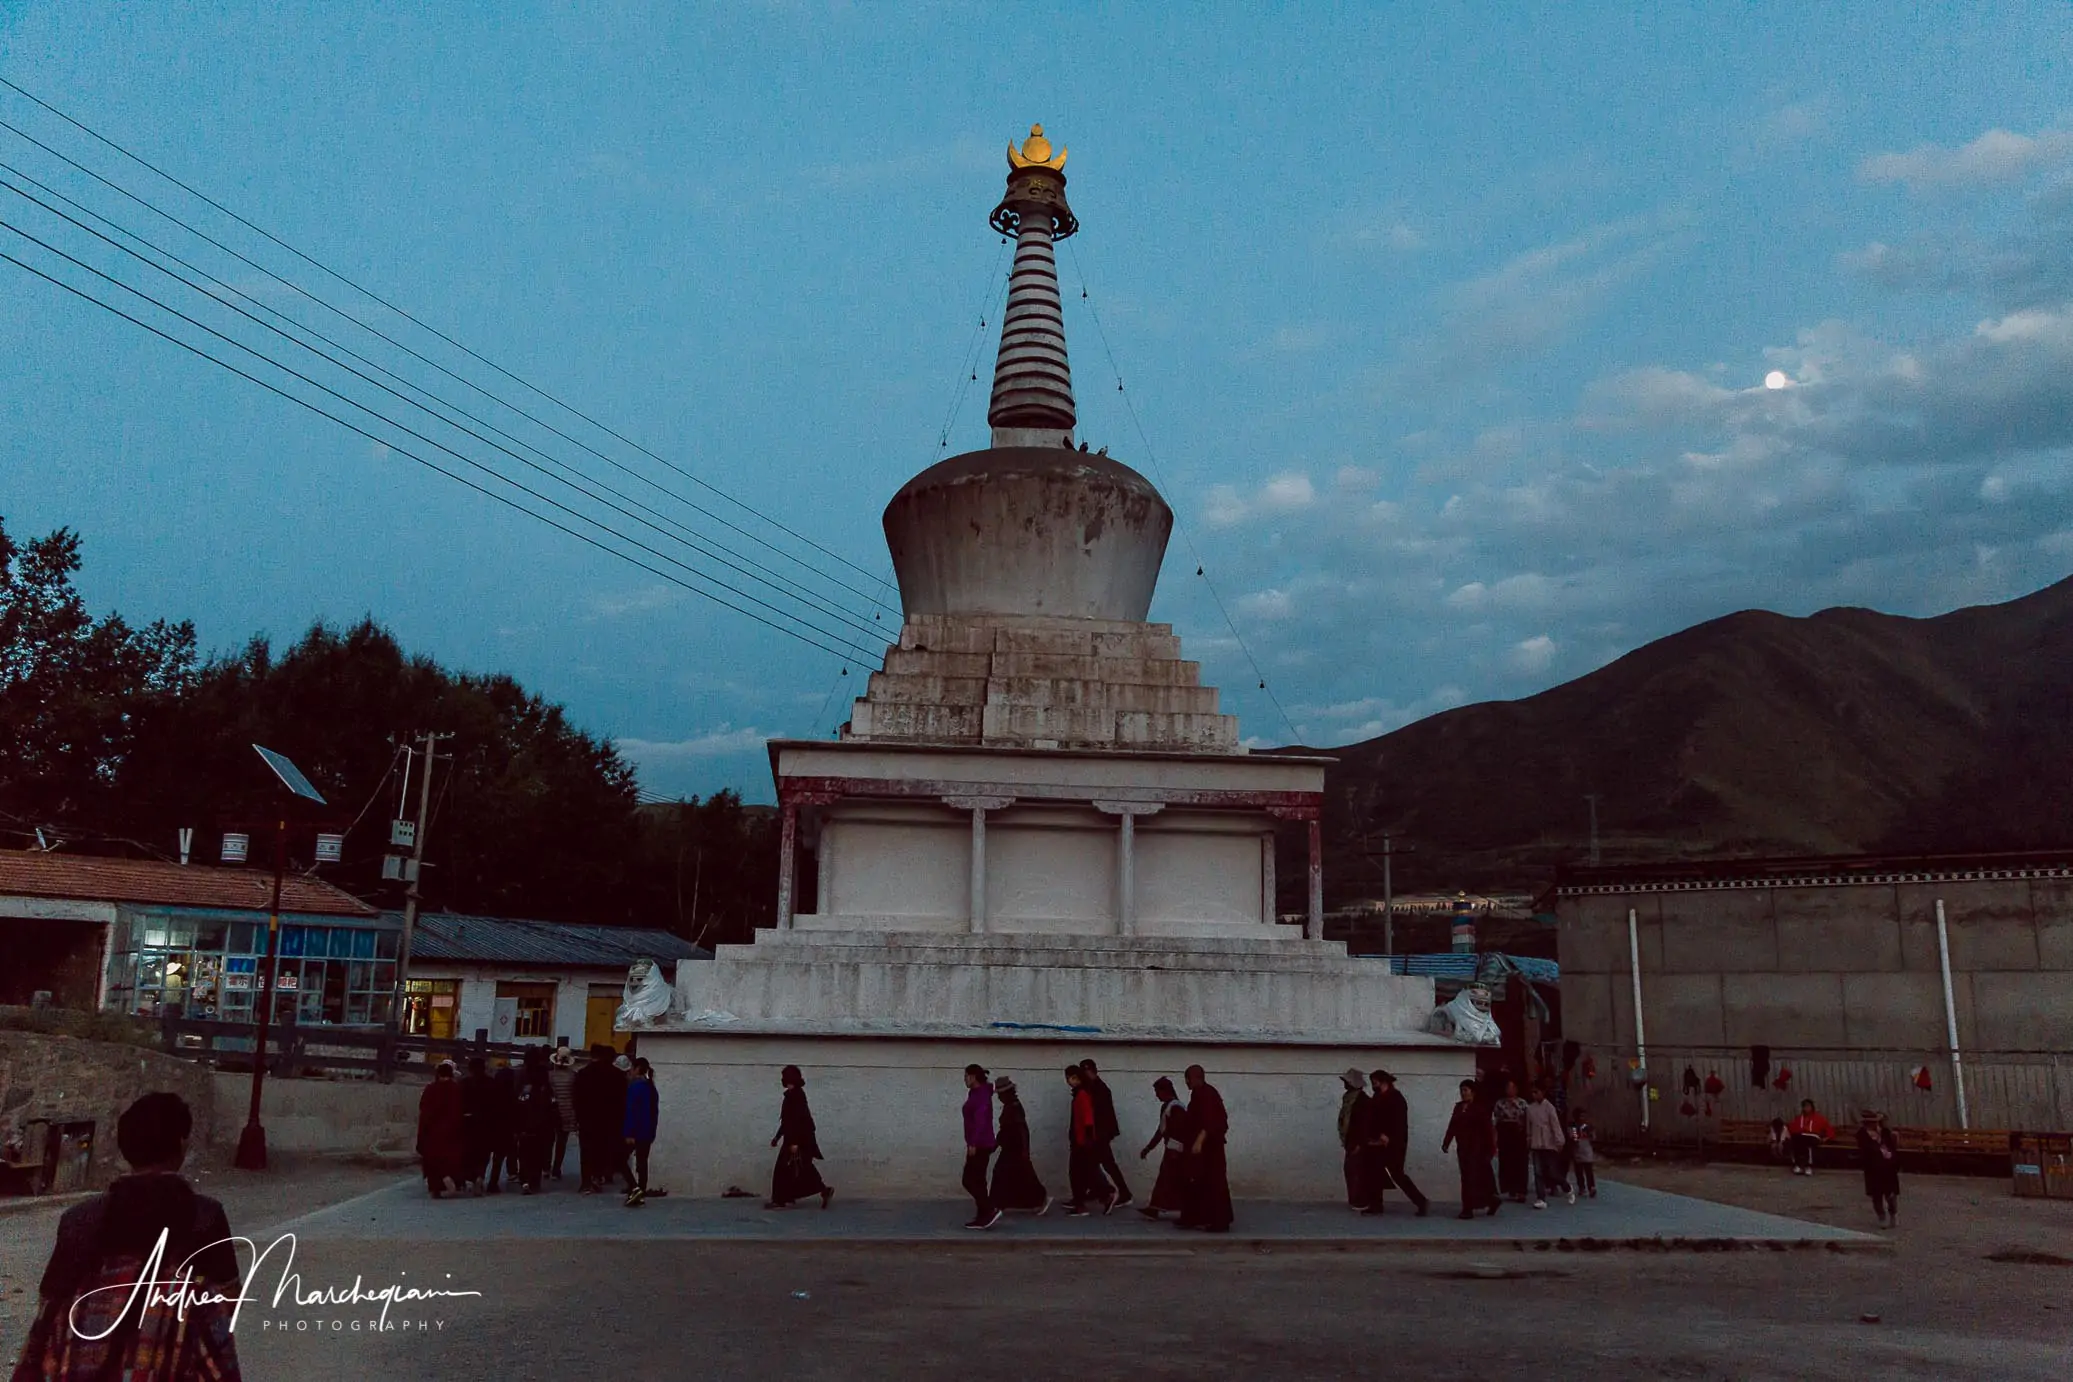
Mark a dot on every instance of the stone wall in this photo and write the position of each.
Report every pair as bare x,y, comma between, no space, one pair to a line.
65,1079
318,1117
1843,982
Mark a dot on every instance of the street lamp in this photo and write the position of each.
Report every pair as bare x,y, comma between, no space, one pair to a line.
251,1155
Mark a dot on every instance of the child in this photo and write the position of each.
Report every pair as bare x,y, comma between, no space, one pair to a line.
1582,1155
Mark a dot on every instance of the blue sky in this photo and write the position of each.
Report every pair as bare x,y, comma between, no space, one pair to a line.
1449,330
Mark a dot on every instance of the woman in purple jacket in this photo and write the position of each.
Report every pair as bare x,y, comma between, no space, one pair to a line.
979,1145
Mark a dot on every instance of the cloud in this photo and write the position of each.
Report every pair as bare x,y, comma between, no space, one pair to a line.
712,744
1998,156
1537,298
1532,655
1283,494
643,600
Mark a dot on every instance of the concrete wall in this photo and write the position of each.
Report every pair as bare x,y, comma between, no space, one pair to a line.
321,1117
887,1109
1842,980
63,1079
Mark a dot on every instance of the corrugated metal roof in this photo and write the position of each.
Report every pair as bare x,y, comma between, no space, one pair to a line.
33,873
450,936
1465,967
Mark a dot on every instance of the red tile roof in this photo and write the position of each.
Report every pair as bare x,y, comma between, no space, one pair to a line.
30,873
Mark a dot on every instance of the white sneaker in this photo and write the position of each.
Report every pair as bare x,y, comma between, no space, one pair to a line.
1572,1197
1540,1204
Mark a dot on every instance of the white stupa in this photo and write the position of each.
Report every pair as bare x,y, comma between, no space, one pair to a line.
1036,839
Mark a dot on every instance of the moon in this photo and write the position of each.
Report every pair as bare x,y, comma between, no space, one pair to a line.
1777,379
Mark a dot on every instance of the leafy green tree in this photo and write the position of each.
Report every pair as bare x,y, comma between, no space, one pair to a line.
75,691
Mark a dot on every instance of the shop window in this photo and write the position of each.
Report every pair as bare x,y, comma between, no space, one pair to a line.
246,938
431,1007
534,1015
341,942
363,944
292,939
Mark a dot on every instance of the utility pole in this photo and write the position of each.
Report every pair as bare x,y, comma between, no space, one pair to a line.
1388,900
1592,797
414,880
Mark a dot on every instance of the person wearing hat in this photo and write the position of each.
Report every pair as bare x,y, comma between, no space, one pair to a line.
1015,1182
1879,1152
599,1094
561,1080
1385,1140
1353,1106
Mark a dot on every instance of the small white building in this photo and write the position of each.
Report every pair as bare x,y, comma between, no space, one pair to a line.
522,980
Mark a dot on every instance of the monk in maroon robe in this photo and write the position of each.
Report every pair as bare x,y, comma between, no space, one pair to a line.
1207,1204
441,1145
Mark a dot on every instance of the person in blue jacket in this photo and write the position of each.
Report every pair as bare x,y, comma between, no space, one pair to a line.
643,1107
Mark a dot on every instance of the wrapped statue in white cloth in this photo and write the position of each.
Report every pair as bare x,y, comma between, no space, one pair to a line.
647,995
1467,1018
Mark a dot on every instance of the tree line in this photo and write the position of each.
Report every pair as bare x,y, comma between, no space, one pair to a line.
114,736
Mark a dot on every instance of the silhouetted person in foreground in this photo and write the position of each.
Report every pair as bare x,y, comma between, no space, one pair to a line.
796,1177
1208,1202
536,1120
1474,1141
1015,1182
1385,1141
599,1093
91,1322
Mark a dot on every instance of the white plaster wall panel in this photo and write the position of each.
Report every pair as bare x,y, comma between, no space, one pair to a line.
1050,867
896,868
887,1110
1593,935
1836,929
1189,875
1587,1009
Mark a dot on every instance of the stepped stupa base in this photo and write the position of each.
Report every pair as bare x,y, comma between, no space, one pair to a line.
883,1024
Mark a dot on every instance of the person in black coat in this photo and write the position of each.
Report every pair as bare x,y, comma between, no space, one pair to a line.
1878,1150
479,1119
796,1177
1385,1140
1107,1128
536,1121
1015,1181
600,1098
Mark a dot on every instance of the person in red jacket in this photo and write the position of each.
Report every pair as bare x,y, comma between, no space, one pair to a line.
1084,1159
1803,1134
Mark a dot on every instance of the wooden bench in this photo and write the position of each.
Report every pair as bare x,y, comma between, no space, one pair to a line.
1917,1145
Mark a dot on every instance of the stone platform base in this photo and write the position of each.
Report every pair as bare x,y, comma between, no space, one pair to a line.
887,1106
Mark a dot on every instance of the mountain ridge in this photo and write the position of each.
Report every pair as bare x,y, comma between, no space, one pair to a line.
1843,731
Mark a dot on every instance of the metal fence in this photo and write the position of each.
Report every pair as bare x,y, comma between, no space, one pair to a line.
2004,1090
292,1049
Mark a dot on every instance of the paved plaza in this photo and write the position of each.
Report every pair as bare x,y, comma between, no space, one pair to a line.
1622,1215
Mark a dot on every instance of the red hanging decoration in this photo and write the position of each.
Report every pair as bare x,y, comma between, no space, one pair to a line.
1590,1067
1921,1078
1714,1086
1688,1108
1784,1080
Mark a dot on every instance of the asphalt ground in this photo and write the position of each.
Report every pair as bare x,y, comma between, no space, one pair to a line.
1975,1284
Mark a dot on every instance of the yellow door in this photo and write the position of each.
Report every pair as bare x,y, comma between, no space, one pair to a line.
598,1013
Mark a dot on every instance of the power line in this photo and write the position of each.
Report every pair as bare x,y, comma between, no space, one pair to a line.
683,535
968,367
253,264
392,307
1201,568
404,451
411,432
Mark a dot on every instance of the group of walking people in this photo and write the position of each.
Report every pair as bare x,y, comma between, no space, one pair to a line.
1537,1151
1192,1184
476,1130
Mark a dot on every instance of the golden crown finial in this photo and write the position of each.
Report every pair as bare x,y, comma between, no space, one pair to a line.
1036,152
